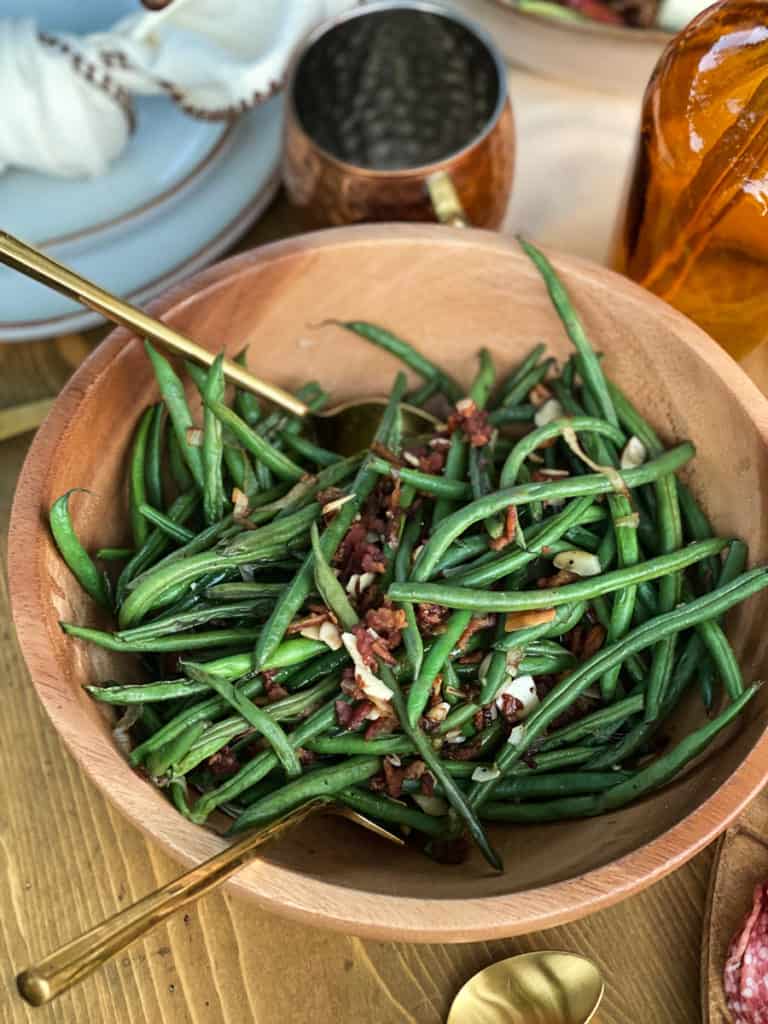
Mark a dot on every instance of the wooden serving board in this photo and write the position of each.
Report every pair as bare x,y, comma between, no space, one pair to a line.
741,862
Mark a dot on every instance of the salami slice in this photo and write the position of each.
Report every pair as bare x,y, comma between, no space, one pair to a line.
746,969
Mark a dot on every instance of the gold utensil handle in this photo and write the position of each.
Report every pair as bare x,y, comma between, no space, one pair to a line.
78,958
33,263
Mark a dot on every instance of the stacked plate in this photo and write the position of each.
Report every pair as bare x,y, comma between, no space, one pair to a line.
178,196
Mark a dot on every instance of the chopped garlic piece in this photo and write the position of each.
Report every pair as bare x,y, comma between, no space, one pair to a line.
329,634
548,411
523,689
374,688
517,735
411,459
435,806
635,453
337,503
359,582
583,563
310,632
439,712
454,736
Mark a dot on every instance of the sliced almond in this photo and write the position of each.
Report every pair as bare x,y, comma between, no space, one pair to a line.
583,563
329,633
532,617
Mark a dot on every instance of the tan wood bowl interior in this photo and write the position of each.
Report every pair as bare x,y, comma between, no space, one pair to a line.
450,292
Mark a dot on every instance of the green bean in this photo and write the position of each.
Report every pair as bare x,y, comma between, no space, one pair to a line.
453,470
612,715
564,693
481,483
253,442
153,468
511,414
512,601
458,557
181,509
298,589
160,760
114,554
286,528
566,617
412,640
522,368
178,467
178,622
325,782
349,743
556,428
543,537
526,383
172,391
541,786
331,591
406,353
157,644
164,523
313,452
433,662
247,404
213,444
74,554
255,716
138,493
593,483
143,693
381,807
427,752
589,364
243,591
200,542
422,394
429,483
251,773
482,385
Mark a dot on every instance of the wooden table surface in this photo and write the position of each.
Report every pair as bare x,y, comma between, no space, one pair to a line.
68,860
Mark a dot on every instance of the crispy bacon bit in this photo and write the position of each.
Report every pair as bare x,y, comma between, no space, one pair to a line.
533,617
574,640
306,756
593,641
510,707
560,579
223,763
539,394
431,617
385,619
328,495
360,712
315,619
475,625
415,769
471,659
428,784
473,421
510,529
461,751
381,726
394,774
343,713
386,453
365,641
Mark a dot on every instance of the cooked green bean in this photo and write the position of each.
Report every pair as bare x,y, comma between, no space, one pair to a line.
165,524
524,600
432,664
172,391
213,444
253,442
556,428
247,404
522,368
114,554
331,591
74,554
157,644
143,693
138,492
154,461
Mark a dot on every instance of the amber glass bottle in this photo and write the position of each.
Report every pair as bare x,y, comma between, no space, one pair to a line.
695,227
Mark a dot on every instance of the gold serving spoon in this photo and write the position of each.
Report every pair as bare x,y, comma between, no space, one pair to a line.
546,987
55,974
347,427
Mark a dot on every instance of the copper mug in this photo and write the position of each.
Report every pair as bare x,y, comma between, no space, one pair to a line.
399,111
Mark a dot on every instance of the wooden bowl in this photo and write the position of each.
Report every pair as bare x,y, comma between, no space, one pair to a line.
450,292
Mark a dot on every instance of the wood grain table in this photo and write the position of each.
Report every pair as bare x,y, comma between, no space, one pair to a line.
68,860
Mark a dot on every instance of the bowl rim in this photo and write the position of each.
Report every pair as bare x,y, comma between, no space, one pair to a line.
292,893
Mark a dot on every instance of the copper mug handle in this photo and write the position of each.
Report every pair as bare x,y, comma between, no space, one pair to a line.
445,200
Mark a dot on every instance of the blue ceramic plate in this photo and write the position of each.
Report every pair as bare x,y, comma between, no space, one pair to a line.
179,195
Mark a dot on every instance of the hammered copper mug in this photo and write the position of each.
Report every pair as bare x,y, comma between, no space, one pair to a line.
398,111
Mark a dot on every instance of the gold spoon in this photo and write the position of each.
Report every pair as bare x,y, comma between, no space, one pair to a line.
71,963
546,987
347,427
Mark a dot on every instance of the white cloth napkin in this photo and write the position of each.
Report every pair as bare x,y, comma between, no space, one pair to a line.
67,99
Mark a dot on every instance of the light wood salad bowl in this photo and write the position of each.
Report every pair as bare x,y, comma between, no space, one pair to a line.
449,292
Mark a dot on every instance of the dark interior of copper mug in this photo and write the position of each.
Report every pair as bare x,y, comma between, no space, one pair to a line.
396,89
